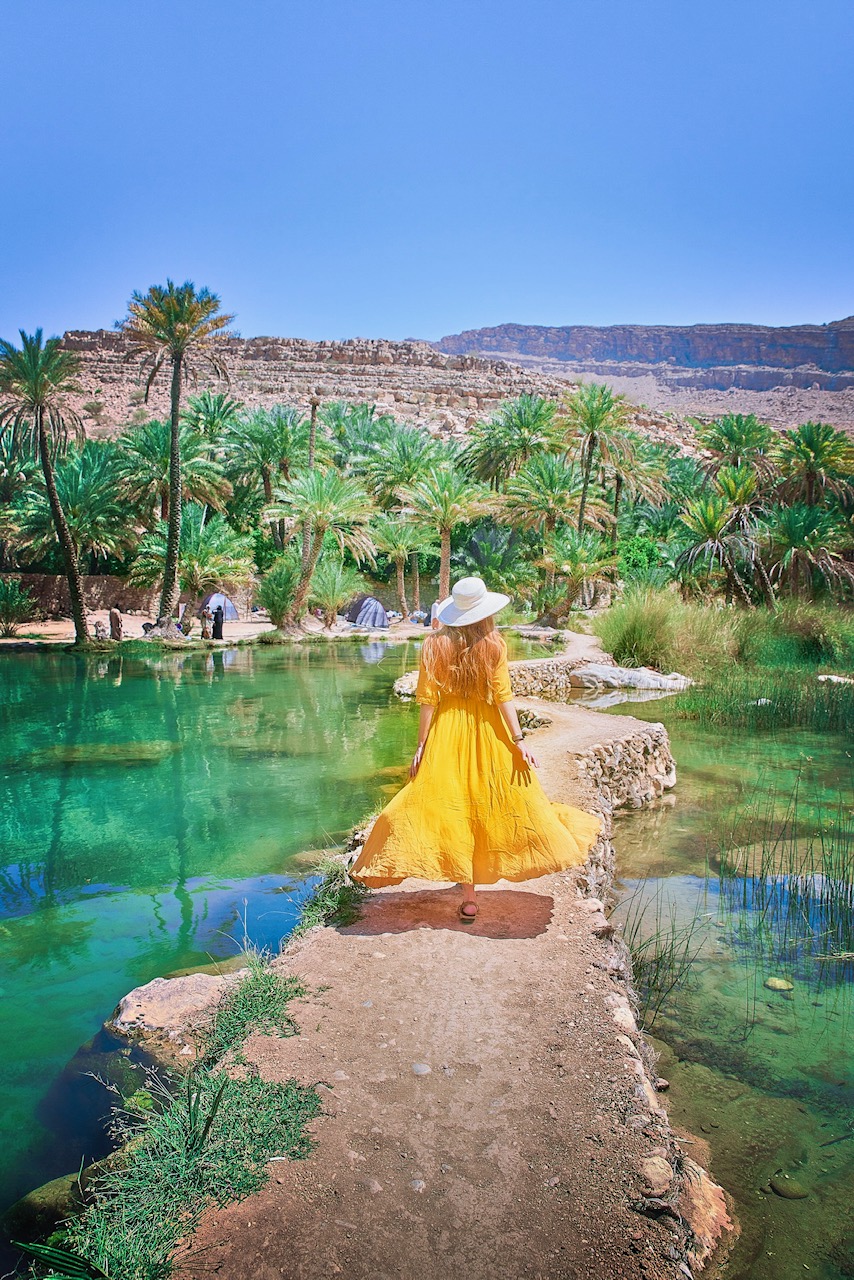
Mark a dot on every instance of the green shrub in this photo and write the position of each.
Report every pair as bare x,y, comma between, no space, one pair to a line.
639,559
278,588
799,634
641,630
16,606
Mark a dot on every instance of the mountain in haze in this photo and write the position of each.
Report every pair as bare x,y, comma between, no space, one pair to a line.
717,356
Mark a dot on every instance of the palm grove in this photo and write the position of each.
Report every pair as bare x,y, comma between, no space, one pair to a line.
548,501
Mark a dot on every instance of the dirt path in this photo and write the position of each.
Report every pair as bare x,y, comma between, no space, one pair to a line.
484,1111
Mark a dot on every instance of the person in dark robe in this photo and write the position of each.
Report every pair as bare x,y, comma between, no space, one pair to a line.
115,623
218,619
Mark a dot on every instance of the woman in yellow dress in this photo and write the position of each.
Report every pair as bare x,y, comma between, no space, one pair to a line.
473,811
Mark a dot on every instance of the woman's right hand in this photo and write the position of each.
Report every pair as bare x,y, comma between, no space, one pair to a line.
416,760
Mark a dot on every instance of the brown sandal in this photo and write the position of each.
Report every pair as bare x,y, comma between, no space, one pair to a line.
467,917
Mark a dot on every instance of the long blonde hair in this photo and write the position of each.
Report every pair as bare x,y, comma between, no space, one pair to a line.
462,661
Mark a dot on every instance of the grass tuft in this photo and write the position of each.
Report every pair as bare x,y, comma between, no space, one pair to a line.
259,1002
337,898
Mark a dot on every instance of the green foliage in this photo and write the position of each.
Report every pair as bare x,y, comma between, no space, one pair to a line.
639,559
799,635
210,554
208,1142
771,700
277,588
16,606
333,585
258,1003
653,628
336,899
498,556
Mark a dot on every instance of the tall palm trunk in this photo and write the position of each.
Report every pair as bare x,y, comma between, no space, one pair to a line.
765,583
618,493
170,593
416,583
736,580
312,445
276,525
588,467
444,564
69,554
297,608
164,505
401,586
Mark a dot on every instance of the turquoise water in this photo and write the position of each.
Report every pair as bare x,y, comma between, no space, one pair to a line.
151,812
154,813
766,1077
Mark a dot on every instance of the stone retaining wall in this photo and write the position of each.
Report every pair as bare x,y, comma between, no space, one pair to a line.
50,592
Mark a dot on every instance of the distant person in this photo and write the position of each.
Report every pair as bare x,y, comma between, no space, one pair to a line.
207,619
101,632
472,812
218,620
434,616
115,623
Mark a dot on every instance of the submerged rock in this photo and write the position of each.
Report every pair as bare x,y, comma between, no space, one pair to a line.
789,1188
779,984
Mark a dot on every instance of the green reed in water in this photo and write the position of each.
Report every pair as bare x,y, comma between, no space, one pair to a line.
773,700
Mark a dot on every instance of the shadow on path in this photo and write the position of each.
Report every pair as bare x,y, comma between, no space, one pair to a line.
502,913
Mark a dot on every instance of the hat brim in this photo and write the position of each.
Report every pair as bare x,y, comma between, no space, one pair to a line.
450,616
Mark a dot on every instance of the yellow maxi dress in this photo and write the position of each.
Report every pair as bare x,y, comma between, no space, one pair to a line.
474,812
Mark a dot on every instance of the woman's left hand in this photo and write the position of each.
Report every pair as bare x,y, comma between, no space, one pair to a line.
527,755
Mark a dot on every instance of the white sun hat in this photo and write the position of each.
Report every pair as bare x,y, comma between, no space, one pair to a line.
469,602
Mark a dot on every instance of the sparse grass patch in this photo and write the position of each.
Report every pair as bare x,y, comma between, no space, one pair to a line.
337,898
259,1002
204,1141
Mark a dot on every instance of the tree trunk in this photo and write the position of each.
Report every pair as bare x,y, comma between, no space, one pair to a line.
736,581
275,525
312,443
60,524
588,467
170,593
765,583
164,505
445,564
416,583
618,493
297,608
401,587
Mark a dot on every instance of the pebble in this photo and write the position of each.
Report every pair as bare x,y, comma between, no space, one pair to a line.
421,1069
418,1184
779,984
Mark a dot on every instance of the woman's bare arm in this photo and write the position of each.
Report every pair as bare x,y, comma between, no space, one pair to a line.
424,722
508,711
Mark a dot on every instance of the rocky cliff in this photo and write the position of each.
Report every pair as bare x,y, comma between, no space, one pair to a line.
823,353
445,393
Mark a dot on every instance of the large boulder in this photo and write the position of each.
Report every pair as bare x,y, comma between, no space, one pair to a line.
595,675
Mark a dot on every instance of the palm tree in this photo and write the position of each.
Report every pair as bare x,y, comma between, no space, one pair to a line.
443,500
815,460
99,521
331,504
143,469
16,476
399,540
805,544
184,327
520,429
594,419
211,555
711,538
637,469
357,431
546,492
333,585
579,559
271,444
736,440
499,557
211,414
740,487
35,383
407,454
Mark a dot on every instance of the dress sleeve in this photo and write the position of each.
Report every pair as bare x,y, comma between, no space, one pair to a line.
501,689
426,692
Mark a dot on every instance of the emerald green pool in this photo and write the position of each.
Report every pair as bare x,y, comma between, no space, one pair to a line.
154,812
151,812
766,1077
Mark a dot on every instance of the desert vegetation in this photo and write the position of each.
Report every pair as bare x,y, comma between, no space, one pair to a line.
554,502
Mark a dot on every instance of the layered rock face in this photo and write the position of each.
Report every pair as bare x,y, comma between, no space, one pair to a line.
411,380
718,355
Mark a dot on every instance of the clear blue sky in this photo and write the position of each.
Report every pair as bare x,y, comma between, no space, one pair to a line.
341,168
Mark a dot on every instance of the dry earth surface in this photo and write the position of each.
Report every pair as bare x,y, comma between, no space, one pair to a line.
483,1116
